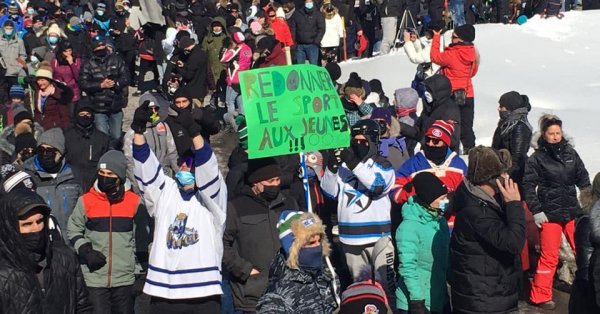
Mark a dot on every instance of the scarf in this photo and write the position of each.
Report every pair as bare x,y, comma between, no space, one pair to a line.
43,95
516,116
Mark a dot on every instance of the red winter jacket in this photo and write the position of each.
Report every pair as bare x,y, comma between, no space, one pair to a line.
277,57
459,63
282,31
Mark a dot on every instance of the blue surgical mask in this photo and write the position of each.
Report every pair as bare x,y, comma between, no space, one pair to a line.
52,40
309,5
9,32
428,97
185,178
444,205
100,12
311,257
30,11
217,33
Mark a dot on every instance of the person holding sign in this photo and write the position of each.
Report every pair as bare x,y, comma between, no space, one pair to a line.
360,179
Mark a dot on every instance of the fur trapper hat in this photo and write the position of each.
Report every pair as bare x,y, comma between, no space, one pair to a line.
295,230
486,163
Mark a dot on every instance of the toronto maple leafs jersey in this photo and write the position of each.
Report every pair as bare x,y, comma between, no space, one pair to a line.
363,202
185,258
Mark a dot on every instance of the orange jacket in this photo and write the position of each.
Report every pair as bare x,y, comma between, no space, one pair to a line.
282,31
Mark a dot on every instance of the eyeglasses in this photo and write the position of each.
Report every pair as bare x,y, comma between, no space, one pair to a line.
434,141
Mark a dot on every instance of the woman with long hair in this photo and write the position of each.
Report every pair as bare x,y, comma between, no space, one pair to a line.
65,68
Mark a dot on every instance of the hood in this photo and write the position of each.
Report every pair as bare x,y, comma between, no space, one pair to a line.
468,190
439,86
7,138
411,210
220,20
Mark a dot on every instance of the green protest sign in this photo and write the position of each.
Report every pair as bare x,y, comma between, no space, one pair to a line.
292,109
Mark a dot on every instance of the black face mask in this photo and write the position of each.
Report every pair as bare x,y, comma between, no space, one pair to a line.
101,53
112,187
361,150
270,193
48,162
84,122
35,242
435,154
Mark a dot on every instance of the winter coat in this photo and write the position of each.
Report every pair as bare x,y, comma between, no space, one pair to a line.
7,142
282,32
194,73
54,112
307,26
515,136
276,57
334,31
60,192
442,108
423,242
296,291
590,4
10,50
19,291
212,45
109,228
459,62
160,140
238,59
31,40
65,291
78,41
251,241
484,252
83,149
68,74
419,52
93,71
550,180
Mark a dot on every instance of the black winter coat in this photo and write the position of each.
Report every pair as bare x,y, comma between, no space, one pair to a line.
307,26
516,141
78,41
251,241
442,108
552,174
83,149
19,291
30,41
194,73
93,71
484,252
65,291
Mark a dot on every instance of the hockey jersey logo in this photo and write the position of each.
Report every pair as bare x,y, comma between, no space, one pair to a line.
179,235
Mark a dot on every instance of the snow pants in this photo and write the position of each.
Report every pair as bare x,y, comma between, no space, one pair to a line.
550,238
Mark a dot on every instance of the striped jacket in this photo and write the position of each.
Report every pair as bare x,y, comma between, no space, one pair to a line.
109,228
363,203
185,258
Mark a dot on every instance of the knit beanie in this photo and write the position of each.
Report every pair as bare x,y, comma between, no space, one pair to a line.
376,86
74,21
20,113
442,130
334,71
354,85
13,177
486,163
406,98
428,187
381,114
186,42
261,169
513,100
238,37
54,29
295,229
16,91
240,121
44,71
114,161
465,32
25,140
256,28
362,297
53,137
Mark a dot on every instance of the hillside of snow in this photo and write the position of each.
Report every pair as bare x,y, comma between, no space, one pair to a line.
555,62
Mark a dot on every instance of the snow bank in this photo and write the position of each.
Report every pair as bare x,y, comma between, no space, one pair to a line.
555,62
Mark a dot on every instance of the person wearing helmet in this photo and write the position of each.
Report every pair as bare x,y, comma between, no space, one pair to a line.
360,179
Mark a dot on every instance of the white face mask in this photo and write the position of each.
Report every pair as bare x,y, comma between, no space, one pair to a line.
428,97
34,59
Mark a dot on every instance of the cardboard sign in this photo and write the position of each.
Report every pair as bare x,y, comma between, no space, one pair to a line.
292,109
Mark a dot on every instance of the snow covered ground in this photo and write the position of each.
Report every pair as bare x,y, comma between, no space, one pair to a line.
555,62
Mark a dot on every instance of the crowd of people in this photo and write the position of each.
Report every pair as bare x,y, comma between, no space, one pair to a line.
101,217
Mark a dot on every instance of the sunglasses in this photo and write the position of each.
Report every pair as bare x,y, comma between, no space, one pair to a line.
434,141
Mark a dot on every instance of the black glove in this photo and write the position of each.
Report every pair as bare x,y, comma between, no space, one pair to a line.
349,157
185,118
92,258
333,160
417,307
141,117
138,285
